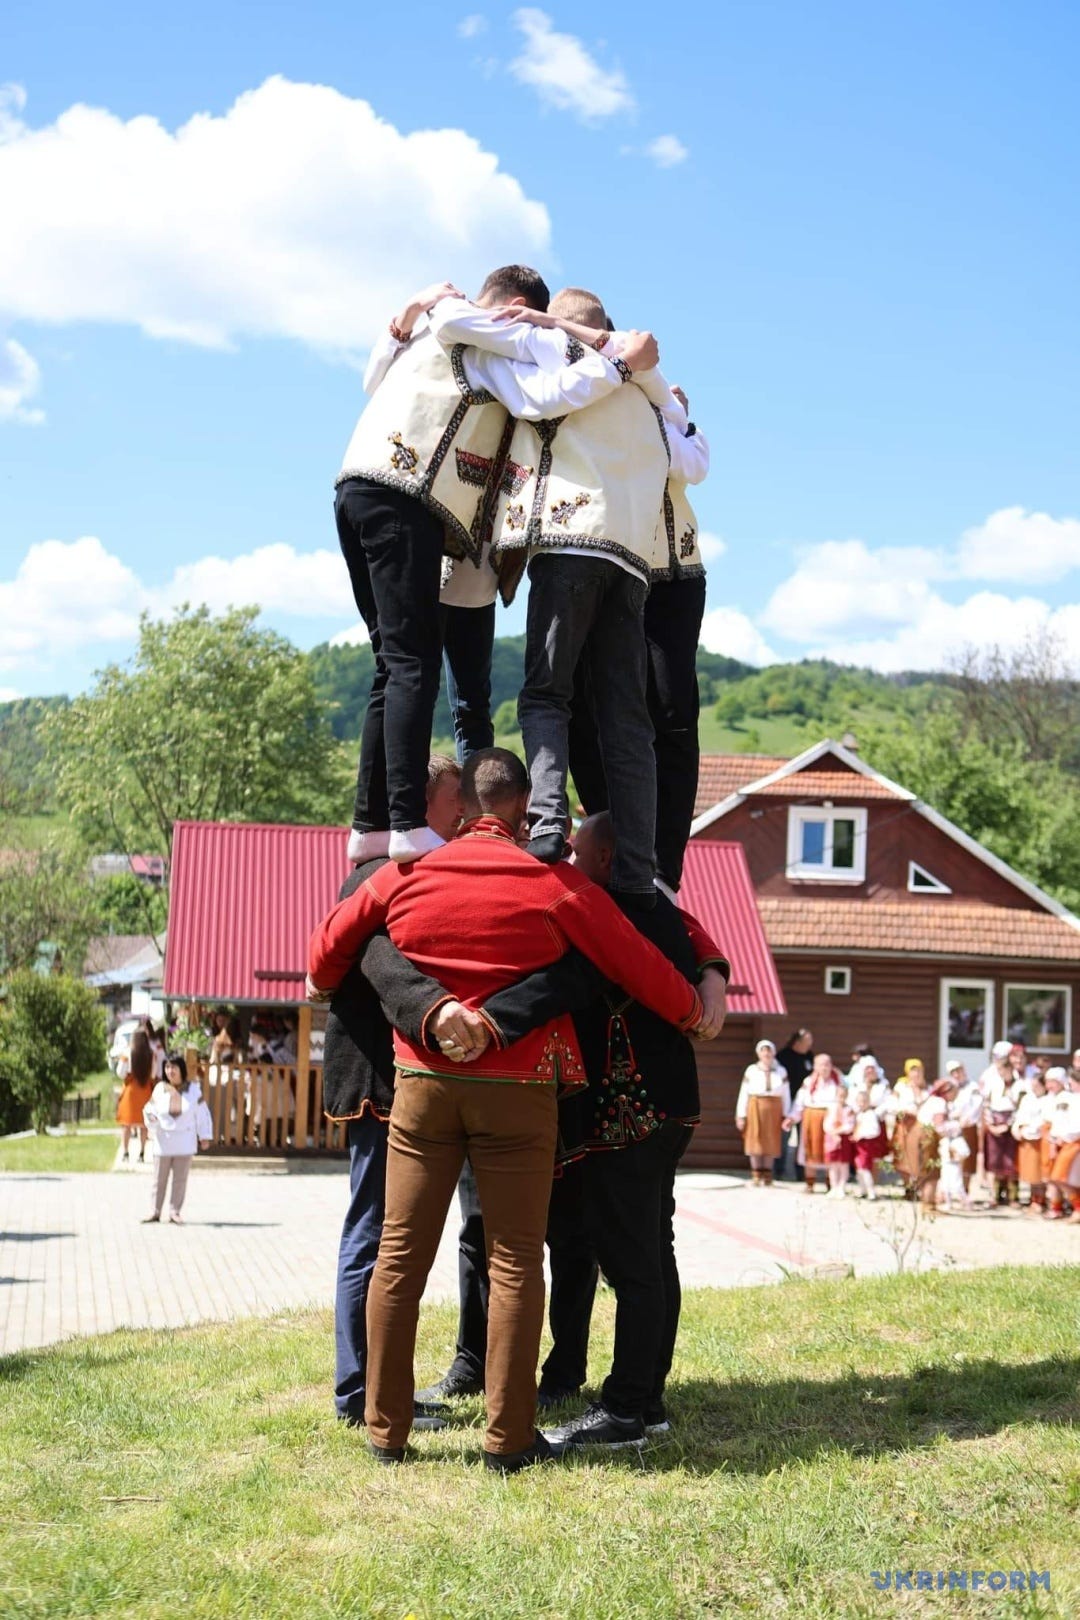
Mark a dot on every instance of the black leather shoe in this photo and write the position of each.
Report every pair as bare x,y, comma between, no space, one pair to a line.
512,1462
549,848
547,1398
452,1387
596,1427
389,1456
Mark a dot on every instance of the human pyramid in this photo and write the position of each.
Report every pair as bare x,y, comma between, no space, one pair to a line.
502,1018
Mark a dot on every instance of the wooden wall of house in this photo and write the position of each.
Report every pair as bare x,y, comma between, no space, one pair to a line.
896,834
717,1145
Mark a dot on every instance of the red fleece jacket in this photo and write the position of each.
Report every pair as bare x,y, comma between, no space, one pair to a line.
479,914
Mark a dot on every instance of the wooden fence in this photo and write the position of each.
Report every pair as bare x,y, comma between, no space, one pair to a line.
265,1108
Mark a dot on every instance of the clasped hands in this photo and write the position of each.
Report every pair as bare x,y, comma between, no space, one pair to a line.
462,1034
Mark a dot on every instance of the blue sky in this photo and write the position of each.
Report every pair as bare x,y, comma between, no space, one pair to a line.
857,240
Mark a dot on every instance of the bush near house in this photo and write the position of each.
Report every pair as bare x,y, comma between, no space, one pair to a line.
52,1037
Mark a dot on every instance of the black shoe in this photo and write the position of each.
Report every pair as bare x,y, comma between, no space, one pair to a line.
655,1419
389,1456
596,1427
512,1462
450,1388
633,901
429,1415
549,848
547,1398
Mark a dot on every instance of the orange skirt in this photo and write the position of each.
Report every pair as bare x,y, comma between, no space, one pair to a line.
1046,1154
763,1116
133,1099
813,1135
1029,1165
1063,1161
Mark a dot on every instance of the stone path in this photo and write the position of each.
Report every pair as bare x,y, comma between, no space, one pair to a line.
74,1259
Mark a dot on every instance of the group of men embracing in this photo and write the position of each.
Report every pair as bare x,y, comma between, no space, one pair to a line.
507,1015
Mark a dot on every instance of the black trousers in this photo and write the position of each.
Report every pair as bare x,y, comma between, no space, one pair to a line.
630,1201
468,641
573,1283
673,613
393,549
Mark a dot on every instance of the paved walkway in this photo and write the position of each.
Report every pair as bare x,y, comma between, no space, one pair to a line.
74,1259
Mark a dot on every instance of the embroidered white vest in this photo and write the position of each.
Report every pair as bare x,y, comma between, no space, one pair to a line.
426,432
592,480
675,548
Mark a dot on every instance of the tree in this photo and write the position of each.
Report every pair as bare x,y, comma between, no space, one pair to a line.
44,895
213,720
1027,694
52,1036
126,905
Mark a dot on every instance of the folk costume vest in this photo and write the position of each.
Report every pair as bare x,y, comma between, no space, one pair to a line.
590,481
426,432
675,547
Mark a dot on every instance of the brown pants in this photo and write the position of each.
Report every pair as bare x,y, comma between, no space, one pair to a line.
508,1132
179,1164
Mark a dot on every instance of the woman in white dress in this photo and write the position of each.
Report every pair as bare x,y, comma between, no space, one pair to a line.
763,1112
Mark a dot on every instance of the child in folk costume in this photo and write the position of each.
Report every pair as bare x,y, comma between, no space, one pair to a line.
1055,1081
179,1121
933,1127
1027,1130
967,1111
585,521
869,1138
1065,1145
1002,1091
815,1097
418,478
839,1127
909,1094
763,1112
953,1152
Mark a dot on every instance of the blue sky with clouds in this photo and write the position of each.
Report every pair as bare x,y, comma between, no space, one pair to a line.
854,229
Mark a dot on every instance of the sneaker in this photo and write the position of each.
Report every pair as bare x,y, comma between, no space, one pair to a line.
389,1456
547,1398
596,1427
656,1420
429,1415
454,1386
549,848
512,1462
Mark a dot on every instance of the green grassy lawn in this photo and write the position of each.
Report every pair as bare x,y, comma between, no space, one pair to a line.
87,1149
823,1431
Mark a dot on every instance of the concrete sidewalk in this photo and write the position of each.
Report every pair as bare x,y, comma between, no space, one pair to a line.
74,1259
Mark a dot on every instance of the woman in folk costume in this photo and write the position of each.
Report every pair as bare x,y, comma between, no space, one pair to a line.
815,1097
1002,1095
868,1098
1027,1132
967,1111
763,1112
1056,1080
909,1095
1065,1144
839,1129
933,1128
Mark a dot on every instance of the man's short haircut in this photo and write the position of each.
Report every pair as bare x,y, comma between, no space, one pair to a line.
602,829
493,777
438,766
578,304
516,281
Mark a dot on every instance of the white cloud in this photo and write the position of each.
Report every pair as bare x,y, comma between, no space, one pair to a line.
470,26
726,630
666,151
355,636
1021,545
20,380
279,579
562,72
8,694
711,546
298,213
942,630
843,584
66,596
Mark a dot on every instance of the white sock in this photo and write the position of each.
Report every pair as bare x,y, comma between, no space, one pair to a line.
411,845
367,846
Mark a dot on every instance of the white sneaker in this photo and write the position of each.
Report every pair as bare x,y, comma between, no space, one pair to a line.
414,844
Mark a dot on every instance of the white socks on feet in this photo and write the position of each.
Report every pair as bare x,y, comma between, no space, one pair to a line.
367,846
409,846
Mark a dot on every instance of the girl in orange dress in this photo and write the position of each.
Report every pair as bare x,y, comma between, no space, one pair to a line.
138,1086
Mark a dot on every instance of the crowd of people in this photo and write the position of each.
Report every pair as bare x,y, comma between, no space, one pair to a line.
1017,1124
503,1019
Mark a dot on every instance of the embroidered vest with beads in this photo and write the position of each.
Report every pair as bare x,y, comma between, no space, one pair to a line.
675,546
427,433
590,481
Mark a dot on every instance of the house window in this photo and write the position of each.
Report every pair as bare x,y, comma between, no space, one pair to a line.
1040,1015
826,845
838,981
920,881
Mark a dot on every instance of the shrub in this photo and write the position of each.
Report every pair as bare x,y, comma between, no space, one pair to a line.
52,1036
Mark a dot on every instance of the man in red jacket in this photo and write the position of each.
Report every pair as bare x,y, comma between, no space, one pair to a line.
477,915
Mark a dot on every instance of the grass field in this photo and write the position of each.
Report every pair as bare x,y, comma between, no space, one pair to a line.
823,1431
90,1148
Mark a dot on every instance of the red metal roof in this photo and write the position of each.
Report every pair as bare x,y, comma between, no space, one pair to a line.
717,890
244,900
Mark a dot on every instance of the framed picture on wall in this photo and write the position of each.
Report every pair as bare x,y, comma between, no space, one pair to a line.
1040,1015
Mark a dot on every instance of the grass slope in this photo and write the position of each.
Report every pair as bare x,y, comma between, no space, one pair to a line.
824,1431
89,1149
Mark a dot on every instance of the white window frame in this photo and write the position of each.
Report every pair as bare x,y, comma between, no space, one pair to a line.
800,873
934,886
1056,989
835,990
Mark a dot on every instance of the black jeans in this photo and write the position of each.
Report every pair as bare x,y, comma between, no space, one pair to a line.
573,1283
393,548
630,1197
468,638
590,610
673,614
